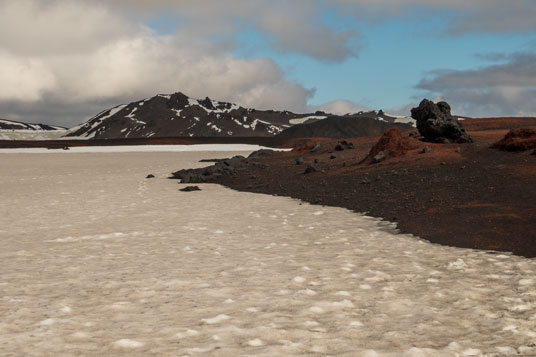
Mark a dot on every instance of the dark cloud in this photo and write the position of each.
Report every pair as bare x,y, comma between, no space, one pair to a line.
467,16
502,89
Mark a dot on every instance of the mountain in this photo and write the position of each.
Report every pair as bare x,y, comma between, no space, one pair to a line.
15,125
348,126
177,115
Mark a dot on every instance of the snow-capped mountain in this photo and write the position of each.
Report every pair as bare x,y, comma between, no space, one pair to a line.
177,115
15,125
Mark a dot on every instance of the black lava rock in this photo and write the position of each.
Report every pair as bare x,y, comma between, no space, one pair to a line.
435,123
309,169
149,176
343,145
190,189
211,173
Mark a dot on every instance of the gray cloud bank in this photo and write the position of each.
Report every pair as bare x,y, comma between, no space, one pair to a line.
501,89
65,60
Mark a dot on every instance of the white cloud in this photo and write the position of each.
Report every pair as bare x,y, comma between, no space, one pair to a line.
123,67
24,79
45,27
293,26
340,107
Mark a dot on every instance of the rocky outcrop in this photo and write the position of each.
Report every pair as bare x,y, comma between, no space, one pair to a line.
210,173
517,140
343,145
391,144
190,189
435,123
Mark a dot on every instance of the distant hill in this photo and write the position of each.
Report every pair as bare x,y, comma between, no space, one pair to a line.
348,126
178,115
15,125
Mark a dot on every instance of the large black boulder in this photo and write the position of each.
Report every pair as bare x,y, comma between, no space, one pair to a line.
435,123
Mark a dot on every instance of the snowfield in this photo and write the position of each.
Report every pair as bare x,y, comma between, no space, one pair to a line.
96,260
32,134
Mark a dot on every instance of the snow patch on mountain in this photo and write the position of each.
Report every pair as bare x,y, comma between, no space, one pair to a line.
303,120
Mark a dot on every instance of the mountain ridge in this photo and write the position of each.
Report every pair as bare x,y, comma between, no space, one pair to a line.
177,115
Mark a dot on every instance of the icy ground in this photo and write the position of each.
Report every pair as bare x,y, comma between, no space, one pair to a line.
96,260
31,134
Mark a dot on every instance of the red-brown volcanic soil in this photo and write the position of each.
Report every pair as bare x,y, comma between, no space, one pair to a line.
464,195
517,140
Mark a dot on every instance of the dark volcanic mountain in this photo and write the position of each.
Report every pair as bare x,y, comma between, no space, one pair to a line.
15,125
348,126
177,115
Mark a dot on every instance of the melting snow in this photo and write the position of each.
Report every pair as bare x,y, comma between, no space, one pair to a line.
402,119
216,320
127,343
303,120
129,263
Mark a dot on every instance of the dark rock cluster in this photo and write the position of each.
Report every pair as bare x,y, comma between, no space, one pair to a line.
206,174
343,145
435,123
190,189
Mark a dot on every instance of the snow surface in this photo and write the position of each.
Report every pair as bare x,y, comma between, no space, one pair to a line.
402,119
303,120
141,148
12,123
147,270
32,134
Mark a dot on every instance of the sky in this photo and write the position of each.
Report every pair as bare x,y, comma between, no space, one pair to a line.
64,61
